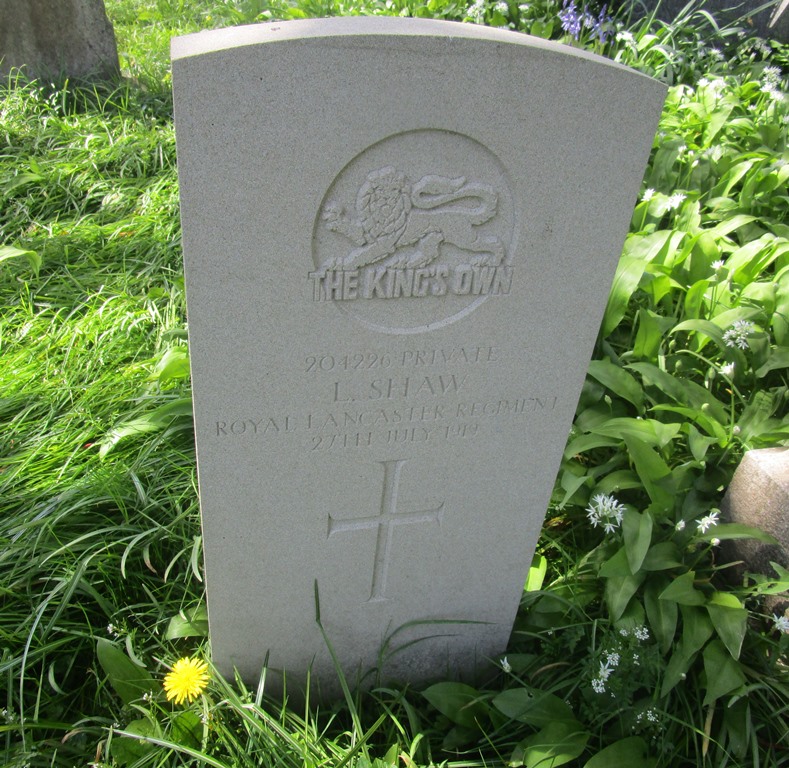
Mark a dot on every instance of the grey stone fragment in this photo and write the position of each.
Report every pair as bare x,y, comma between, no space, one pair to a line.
759,497
54,38
399,238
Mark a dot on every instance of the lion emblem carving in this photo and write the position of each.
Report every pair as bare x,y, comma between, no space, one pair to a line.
404,224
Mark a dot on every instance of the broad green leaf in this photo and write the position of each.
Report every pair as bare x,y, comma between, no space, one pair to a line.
619,381
187,729
729,225
723,673
616,566
533,706
647,431
11,252
732,531
714,428
756,417
537,571
696,627
682,591
619,480
620,585
588,442
127,750
628,275
698,443
653,471
696,631
130,681
192,623
694,303
681,390
676,669
778,359
173,365
780,319
637,530
748,262
730,620
739,728
459,702
662,556
717,118
631,752
661,614
175,414
704,331
649,336
556,744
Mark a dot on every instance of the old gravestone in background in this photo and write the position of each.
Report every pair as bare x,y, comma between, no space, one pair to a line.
52,38
399,237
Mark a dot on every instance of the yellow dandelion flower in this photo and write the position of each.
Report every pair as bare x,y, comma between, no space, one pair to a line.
186,680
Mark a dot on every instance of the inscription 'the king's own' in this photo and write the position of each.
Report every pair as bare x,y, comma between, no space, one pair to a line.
385,522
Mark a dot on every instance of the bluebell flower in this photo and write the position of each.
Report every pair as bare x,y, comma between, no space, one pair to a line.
570,18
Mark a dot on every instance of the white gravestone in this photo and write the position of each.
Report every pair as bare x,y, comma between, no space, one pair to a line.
399,237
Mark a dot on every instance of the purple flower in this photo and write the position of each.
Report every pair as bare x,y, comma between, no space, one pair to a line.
571,20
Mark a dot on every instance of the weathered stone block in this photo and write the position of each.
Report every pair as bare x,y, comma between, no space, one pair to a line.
759,496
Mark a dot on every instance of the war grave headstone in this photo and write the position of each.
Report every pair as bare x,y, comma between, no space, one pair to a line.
399,237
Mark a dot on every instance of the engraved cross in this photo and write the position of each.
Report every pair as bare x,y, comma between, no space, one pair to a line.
385,521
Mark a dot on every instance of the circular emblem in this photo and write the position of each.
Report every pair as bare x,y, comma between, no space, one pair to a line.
415,232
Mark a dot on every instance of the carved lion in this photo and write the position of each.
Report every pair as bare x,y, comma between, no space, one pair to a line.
409,222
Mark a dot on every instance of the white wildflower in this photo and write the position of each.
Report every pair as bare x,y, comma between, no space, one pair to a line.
716,54
737,335
625,37
728,369
703,82
598,685
648,195
771,75
680,526
715,542
623,632
502,8
641,633
708,521
476,11
717,265
781,623
505,665
605,510
675,200
523,7
612,659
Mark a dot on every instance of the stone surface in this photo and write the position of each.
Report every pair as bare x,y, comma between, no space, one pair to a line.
51,38
759,496
399,238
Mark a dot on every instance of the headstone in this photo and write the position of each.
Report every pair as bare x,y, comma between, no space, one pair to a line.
399,237
54,38
758,496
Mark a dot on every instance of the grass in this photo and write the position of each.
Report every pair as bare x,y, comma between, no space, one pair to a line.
100,550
